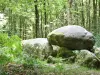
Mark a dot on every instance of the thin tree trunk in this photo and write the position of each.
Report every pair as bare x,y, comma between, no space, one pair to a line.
23,20
45,18
10,22
25,37
83,20
36,19
69,12
89,19
99,18
20,29
14,23
95,16
41,26
76,15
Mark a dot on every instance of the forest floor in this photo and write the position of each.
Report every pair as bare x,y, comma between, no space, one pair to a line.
71,69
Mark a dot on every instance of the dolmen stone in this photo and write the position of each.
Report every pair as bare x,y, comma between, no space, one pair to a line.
37,48
73,37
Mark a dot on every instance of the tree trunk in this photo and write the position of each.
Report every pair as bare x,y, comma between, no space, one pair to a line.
36,19
83,20
99,19
89,19
69,12
95,16
10,22
20,26
45,18
41,26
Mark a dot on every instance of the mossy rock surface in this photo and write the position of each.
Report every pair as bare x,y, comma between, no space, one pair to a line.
88,59
38,47
68,55
62,52
72,37
97,52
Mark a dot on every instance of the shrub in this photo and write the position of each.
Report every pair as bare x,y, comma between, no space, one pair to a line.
3,39
10,48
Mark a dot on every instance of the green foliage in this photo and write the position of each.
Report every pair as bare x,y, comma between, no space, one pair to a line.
97,38
14,43
4,56
10,48
3,39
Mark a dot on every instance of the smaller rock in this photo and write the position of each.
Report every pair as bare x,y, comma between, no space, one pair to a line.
87,58
97,52
67,55
55,50
38,47
62,52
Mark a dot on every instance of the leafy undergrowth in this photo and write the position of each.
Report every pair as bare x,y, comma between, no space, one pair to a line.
47,69
10,48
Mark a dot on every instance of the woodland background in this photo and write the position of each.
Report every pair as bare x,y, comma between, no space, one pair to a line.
36,18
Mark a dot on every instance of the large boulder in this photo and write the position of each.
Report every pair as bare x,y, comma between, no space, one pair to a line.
72,37
38,47
87,58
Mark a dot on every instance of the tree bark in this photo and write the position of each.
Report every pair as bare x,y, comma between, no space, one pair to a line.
36,19
95,16
83,20
45,18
